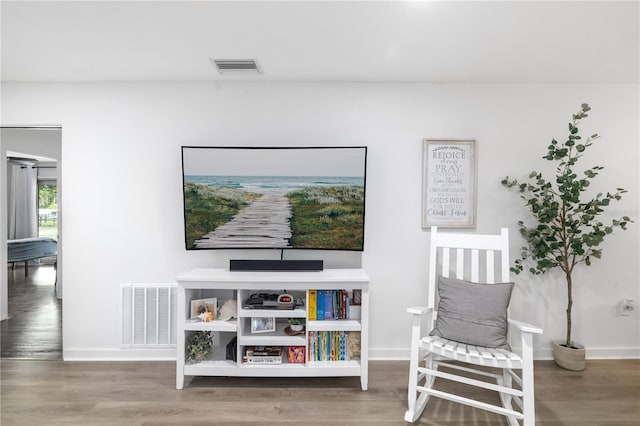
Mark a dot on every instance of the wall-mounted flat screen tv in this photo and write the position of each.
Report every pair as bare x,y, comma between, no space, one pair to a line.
276,197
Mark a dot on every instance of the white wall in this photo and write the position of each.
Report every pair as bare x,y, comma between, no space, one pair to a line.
123,206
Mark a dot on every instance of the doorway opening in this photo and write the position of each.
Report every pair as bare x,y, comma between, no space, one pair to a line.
31,290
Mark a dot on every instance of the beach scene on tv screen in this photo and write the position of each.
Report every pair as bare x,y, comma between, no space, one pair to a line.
308,198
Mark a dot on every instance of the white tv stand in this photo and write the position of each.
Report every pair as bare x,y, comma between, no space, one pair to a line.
225,284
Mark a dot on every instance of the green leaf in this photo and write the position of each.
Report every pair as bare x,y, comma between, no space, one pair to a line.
567,229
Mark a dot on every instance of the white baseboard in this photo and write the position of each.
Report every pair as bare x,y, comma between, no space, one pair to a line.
120,354
388,354
594,353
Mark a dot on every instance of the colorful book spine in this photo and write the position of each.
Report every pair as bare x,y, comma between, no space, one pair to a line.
320,305
313,297
347,304
324,346
328,305
343,346
335,346
330,353
311,354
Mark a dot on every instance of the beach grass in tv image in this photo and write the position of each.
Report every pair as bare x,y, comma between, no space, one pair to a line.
303,198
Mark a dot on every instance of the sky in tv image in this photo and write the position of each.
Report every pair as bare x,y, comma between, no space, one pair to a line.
274,198
274,162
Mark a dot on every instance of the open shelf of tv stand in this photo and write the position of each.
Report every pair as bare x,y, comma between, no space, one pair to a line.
199,281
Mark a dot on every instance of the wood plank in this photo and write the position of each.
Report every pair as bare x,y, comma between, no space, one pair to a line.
34,327
263,223
142,393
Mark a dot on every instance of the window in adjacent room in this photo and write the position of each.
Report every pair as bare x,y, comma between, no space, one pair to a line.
47,209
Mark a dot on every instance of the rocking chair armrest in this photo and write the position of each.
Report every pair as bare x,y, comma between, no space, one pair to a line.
418,310
524,327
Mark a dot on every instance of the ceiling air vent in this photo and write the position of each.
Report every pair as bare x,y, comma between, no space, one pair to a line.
229,66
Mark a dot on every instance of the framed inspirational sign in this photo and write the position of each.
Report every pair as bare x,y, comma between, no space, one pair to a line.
449,183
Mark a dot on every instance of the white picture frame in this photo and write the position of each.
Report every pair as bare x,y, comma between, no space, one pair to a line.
263,324
449,180
210,304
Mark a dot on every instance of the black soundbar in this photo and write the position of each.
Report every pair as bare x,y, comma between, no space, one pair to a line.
275,265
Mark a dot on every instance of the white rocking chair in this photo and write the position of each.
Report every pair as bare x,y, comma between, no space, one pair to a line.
430,353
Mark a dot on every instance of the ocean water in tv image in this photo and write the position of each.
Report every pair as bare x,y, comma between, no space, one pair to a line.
274,184
317,212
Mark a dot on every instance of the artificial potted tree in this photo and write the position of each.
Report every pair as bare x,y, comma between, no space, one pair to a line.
568,228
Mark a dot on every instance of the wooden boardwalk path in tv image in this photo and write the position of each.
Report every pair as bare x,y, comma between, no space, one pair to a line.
264,223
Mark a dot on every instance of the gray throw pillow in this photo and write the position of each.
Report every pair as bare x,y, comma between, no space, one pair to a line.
473,313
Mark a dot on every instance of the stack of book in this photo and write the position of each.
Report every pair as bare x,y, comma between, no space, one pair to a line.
262,355
334,345
331,304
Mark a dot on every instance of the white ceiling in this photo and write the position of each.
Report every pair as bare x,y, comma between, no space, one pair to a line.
429,41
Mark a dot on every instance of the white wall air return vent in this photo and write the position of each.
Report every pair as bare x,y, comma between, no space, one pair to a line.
148,315
230,66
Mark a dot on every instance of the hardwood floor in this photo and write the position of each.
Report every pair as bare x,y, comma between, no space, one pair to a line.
39,393
34,327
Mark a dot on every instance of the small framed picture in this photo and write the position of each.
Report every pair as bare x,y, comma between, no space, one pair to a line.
204,306
263,324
